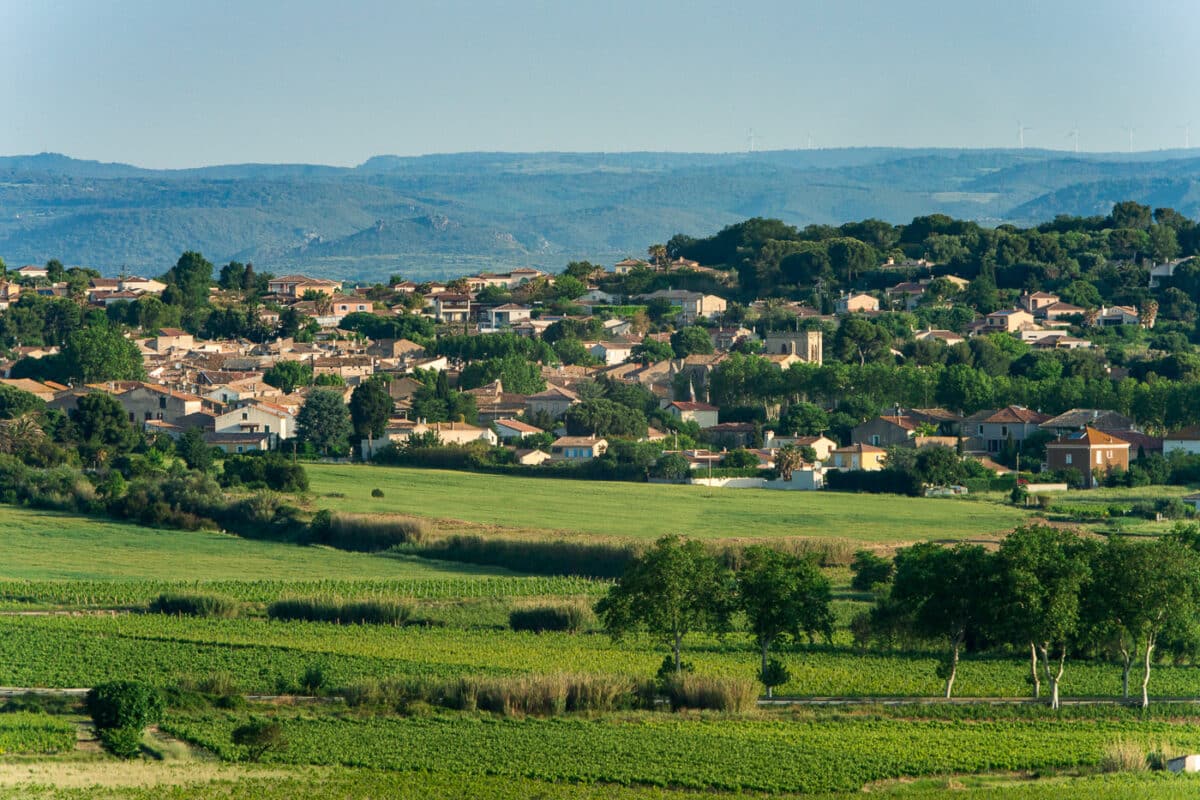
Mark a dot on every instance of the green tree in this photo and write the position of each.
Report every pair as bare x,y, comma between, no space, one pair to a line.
324,421
601,417
287,376
100,353
371,406
804,419
692,340
102,428
16,403
782,596
651,351
944,594
258,736
1043,573
190,278
859,340
120,710
194,451
676,587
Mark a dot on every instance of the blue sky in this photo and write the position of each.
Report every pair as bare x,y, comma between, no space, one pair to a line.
168,83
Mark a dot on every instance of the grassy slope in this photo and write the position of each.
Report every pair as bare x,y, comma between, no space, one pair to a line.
39,545
650,510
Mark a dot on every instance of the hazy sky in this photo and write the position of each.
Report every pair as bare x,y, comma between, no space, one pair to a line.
170,83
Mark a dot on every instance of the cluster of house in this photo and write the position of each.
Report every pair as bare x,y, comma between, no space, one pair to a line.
1040,319
101,292
218,386
1092,441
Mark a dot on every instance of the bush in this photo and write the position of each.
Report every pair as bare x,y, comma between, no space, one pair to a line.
194,605
124,704
258,736
735,695
377,492
357,612
541,557
869,570
314,679
572,617
122,742
264,471
367,534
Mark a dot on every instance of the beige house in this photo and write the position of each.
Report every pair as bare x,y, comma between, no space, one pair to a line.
578,448
1036,302
692,306
299,285
555,401
858,302
808,345
1008,320
146,401
173,339
702,414
260,418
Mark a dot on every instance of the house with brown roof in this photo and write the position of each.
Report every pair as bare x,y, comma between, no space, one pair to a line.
989,431
555,401
885,430
39,390
858,456
508,429
1079,418
1185,441
145,401
702,414
296,286
1093,452
1035,302
1008,320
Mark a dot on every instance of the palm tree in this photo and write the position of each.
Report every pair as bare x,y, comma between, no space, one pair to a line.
20,434
1149,313
787,460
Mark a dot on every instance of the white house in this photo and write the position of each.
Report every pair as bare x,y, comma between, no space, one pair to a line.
258,417
611,353
1186,441
507,315
508,429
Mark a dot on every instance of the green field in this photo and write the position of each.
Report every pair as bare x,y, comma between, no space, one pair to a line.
40,545
646,511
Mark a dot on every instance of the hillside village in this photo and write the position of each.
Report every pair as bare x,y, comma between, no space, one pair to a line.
662,368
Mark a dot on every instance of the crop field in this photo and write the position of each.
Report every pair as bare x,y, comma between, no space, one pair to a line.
646,511
268,656
766,755
41,545
102,782
34,733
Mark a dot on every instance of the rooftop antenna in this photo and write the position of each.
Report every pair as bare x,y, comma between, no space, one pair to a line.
1074,134
1021,133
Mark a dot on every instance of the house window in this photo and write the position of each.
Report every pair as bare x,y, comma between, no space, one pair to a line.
162,402
875,439
1099,457
266,428
1004,430
980,429
1067,460
239,448
245,415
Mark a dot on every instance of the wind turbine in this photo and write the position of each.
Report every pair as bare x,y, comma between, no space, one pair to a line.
750,139
1074,134
810,146
1021,133
1187,135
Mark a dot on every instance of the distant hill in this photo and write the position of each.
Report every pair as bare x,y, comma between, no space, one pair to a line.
433,216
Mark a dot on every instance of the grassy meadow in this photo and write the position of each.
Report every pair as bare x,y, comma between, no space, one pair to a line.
647,511
48,545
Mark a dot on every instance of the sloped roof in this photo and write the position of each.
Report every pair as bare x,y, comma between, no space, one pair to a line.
1090,437
1100,418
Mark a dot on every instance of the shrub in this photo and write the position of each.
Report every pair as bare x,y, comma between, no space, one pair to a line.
264,471
258,736
541,557
572,617
122,742
377,492
735,695
124,704
194,605
358,612
314,679
367,534
869,570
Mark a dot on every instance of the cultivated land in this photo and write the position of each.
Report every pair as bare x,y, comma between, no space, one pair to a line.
647,511
410,749
41,545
